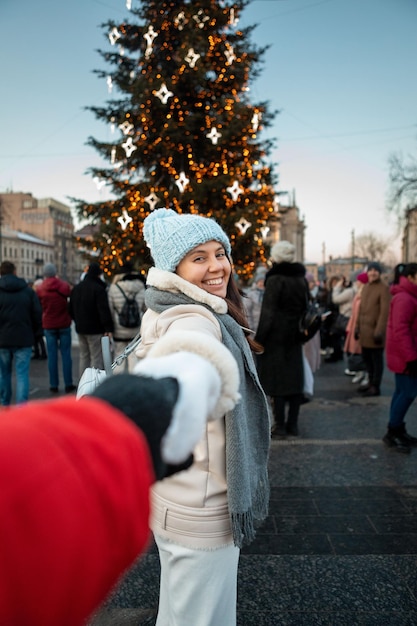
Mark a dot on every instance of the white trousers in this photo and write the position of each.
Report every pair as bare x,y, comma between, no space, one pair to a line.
198,587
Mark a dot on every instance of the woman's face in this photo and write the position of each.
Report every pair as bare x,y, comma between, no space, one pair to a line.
207,267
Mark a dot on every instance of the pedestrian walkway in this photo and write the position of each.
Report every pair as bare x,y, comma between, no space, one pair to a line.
340,544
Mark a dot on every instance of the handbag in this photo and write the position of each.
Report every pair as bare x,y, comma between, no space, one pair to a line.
92,376
339,325
310,322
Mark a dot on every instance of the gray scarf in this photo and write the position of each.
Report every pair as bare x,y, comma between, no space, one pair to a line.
247,426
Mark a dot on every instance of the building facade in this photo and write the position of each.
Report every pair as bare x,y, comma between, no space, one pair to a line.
43,229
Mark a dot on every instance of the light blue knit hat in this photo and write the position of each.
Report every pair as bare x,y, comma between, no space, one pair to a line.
170,236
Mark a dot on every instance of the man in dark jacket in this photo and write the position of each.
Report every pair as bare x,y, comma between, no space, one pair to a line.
53,292
20,323
89,308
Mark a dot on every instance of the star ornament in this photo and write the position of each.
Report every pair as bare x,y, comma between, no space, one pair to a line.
182,182
235,190
230,55
192,57
150,35
100,182
180,20
124,219
214,135
126,127
200,18
129,147
264,231
255,121
163,93
114,35
242,225
152,200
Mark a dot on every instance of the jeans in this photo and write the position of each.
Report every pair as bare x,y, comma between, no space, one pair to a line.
59,338
404,394
22,357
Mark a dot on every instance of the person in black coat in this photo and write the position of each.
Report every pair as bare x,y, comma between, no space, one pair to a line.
280,366
20,324
89,308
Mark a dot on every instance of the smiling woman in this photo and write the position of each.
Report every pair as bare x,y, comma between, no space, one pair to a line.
208,267
201,518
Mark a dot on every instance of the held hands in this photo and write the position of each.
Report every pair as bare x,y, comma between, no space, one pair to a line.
199,390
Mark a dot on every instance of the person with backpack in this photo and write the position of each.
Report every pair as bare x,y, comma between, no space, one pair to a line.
126,297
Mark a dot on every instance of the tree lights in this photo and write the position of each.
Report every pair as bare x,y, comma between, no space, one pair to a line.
189,135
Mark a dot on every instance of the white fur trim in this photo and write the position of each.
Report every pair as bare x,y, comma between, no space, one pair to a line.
168,281
212,350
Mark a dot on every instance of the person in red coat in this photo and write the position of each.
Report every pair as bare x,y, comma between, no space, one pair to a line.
53,293
74,486
401,354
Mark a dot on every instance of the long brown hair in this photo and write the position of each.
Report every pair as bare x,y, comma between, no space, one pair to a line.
236,310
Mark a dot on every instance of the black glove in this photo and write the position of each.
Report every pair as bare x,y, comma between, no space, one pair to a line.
411,368
149,403
378,339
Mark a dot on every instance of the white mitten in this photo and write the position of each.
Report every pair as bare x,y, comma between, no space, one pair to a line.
200,388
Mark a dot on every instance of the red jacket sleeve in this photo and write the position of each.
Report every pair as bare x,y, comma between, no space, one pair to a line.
74,508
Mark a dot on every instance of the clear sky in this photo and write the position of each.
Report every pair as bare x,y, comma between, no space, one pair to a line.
341,72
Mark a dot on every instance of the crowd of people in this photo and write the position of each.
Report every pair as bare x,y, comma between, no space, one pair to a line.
242,360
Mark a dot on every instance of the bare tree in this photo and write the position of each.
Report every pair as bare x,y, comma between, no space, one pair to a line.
375,248
403,184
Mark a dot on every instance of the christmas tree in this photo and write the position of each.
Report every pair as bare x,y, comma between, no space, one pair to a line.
187,135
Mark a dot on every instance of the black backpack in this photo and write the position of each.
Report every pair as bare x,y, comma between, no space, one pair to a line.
129,315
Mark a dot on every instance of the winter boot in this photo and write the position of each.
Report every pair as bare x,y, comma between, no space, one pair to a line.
411,440
395,438
278,430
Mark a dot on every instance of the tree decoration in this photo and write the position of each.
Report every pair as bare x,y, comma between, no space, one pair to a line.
152,199
191,140
255,121
126,127
99,182
180,20
128,4
192,57
243,225
200,18
182,182
150,35
128,146
124,219
233,20
235,190
229,54
109,84
264,231
163,93
114,35
214,135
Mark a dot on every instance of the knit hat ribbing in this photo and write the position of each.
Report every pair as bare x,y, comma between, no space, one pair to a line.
170,236
283,251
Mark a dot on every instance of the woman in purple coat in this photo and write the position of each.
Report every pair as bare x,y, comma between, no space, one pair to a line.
401,353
